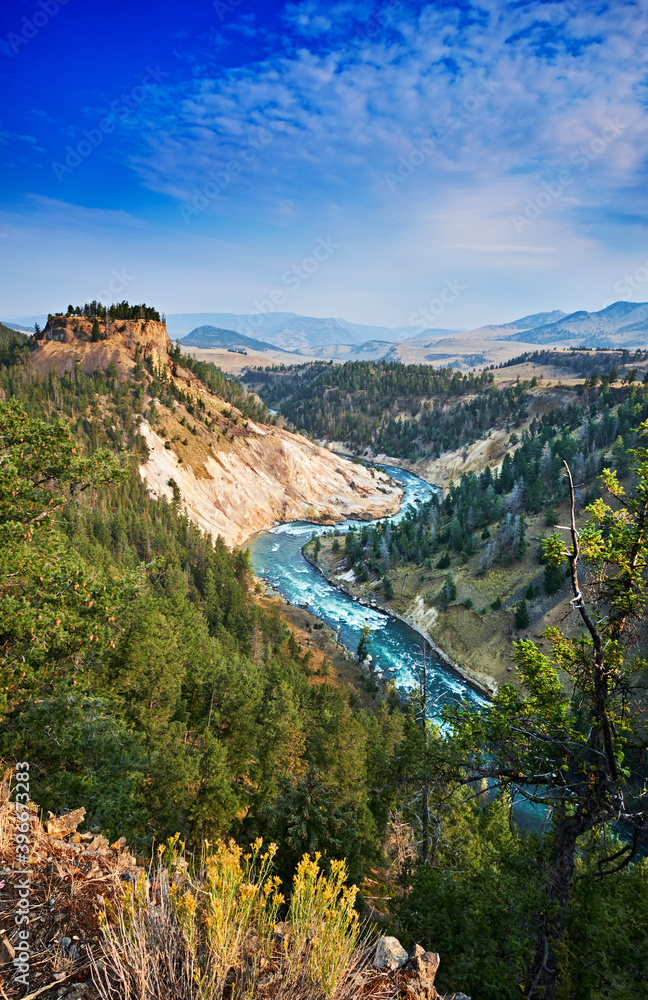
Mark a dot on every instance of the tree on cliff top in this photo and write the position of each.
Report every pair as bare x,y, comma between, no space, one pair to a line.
573,756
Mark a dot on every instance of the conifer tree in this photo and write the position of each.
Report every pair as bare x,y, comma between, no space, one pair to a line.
522,615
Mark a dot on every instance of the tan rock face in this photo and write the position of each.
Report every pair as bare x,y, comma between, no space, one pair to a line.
67,342
270,476
64,825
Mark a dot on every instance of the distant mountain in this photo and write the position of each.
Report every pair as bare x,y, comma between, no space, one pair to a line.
620,324
529,322
291,331
180,324
361,333
213,336
25,323
433,333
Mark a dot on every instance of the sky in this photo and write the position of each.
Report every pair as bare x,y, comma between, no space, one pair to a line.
407,164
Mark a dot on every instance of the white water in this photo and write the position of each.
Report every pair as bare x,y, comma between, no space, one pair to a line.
395,648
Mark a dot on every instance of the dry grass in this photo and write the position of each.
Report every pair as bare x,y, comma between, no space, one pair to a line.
213,934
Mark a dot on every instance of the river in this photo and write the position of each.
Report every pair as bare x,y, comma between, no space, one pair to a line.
395,647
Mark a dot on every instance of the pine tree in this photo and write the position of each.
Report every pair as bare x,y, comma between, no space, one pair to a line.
521,615
363,646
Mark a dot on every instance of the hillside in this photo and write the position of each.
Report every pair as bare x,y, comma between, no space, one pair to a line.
621,324
236,475
212,336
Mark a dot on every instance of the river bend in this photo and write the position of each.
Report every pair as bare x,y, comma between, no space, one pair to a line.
394,646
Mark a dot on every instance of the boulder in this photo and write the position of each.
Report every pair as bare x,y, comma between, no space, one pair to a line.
390,954
61,826
423,967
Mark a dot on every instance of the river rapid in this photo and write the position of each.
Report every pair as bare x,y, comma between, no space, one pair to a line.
395,648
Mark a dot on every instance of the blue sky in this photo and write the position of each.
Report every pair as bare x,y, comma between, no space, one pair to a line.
385,162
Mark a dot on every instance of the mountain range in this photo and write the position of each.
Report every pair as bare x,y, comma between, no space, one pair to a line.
619,324
290,331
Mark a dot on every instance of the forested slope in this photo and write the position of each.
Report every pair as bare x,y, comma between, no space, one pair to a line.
139,675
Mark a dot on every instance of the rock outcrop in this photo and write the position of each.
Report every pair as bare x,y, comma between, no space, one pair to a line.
67,342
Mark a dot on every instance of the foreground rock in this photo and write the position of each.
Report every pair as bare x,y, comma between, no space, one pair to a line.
69,873
415,972
390,954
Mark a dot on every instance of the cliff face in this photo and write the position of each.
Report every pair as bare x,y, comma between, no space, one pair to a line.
266,477
67,340
236,476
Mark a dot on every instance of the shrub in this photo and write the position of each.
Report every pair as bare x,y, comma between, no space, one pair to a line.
210,932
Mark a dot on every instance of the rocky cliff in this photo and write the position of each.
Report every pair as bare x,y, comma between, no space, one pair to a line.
67,341
235,476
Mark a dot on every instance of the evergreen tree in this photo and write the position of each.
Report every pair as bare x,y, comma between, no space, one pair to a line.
579,764
363,645
521,615
554,578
